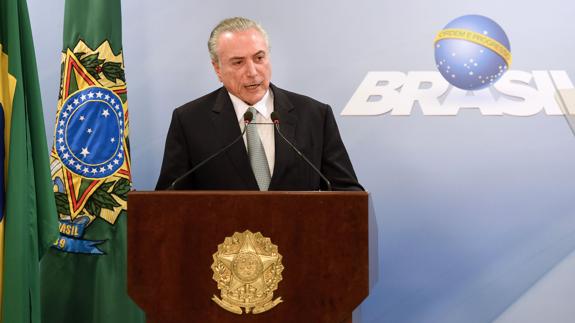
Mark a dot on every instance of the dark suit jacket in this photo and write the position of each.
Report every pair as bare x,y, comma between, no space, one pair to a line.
201,127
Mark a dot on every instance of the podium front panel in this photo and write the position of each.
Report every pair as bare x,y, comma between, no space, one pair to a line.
321,236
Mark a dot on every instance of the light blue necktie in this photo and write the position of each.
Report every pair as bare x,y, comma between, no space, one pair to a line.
257,155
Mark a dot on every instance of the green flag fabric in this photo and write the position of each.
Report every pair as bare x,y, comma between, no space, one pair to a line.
28,223
84,274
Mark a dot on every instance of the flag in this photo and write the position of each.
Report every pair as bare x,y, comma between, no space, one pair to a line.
84,273
28,220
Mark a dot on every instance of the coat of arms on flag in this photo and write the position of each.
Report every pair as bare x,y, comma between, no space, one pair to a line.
90,161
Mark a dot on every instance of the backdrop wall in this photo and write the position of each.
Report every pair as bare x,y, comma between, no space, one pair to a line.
473,211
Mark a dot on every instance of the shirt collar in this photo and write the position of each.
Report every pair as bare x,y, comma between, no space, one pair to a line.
263,106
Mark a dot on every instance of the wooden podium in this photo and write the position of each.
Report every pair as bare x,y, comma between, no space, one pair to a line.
322,237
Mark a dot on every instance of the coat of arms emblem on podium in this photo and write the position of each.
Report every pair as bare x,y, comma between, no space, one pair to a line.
247,268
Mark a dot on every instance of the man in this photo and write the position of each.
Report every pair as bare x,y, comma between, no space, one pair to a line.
239,51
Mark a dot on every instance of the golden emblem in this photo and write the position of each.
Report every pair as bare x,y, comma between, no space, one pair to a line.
247,268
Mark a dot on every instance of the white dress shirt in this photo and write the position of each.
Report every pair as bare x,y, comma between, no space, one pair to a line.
264,107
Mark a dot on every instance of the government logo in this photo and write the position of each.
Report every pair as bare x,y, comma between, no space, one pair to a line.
247,268
472,52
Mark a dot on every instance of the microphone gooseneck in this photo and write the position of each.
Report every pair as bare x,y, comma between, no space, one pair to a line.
248,118
276,121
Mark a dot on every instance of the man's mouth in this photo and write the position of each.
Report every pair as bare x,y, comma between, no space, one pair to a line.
252,86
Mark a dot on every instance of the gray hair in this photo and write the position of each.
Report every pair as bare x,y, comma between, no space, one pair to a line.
232,25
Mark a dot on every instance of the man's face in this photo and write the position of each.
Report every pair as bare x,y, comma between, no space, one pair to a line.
244,67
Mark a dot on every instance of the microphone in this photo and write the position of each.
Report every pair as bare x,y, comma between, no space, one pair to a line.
248,117
276,121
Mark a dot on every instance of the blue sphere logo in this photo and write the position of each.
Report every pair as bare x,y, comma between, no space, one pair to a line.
472,52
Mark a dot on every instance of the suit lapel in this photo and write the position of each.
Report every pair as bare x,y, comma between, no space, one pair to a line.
227,129
288,121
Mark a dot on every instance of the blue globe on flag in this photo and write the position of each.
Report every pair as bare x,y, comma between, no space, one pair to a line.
472,52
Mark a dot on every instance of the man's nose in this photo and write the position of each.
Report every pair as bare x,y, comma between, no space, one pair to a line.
251,68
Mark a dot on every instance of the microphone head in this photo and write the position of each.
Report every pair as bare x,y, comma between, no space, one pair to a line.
248,116
275,117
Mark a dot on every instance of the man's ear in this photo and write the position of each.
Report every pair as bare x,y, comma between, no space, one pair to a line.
216,66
